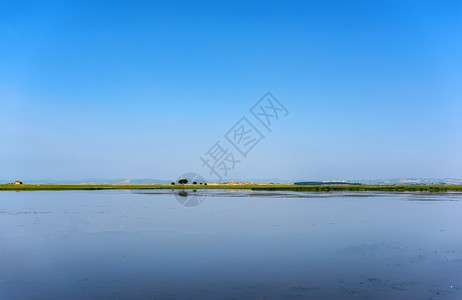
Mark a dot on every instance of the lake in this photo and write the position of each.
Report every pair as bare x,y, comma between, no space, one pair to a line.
224,244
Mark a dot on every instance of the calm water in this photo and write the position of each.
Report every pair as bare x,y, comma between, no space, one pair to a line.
235,245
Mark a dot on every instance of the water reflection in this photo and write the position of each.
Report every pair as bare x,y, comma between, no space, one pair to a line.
189,198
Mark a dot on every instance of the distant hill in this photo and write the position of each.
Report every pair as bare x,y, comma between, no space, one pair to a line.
130,181
391,181
412,181
388,181
326,183
93,181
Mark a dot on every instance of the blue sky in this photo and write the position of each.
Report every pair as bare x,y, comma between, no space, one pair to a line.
142,89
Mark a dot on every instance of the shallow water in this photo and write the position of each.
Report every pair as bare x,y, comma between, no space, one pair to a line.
233,245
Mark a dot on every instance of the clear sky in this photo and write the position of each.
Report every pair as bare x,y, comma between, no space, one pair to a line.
142,89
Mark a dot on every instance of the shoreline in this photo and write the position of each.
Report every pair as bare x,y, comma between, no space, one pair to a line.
256,187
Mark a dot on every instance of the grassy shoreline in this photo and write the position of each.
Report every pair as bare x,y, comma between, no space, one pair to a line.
269,187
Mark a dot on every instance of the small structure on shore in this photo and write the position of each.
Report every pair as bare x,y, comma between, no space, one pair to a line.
18,182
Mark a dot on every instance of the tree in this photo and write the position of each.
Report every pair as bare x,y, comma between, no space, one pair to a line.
173,183
194,182
183,181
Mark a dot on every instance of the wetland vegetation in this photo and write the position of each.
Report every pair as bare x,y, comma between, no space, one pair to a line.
265,187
